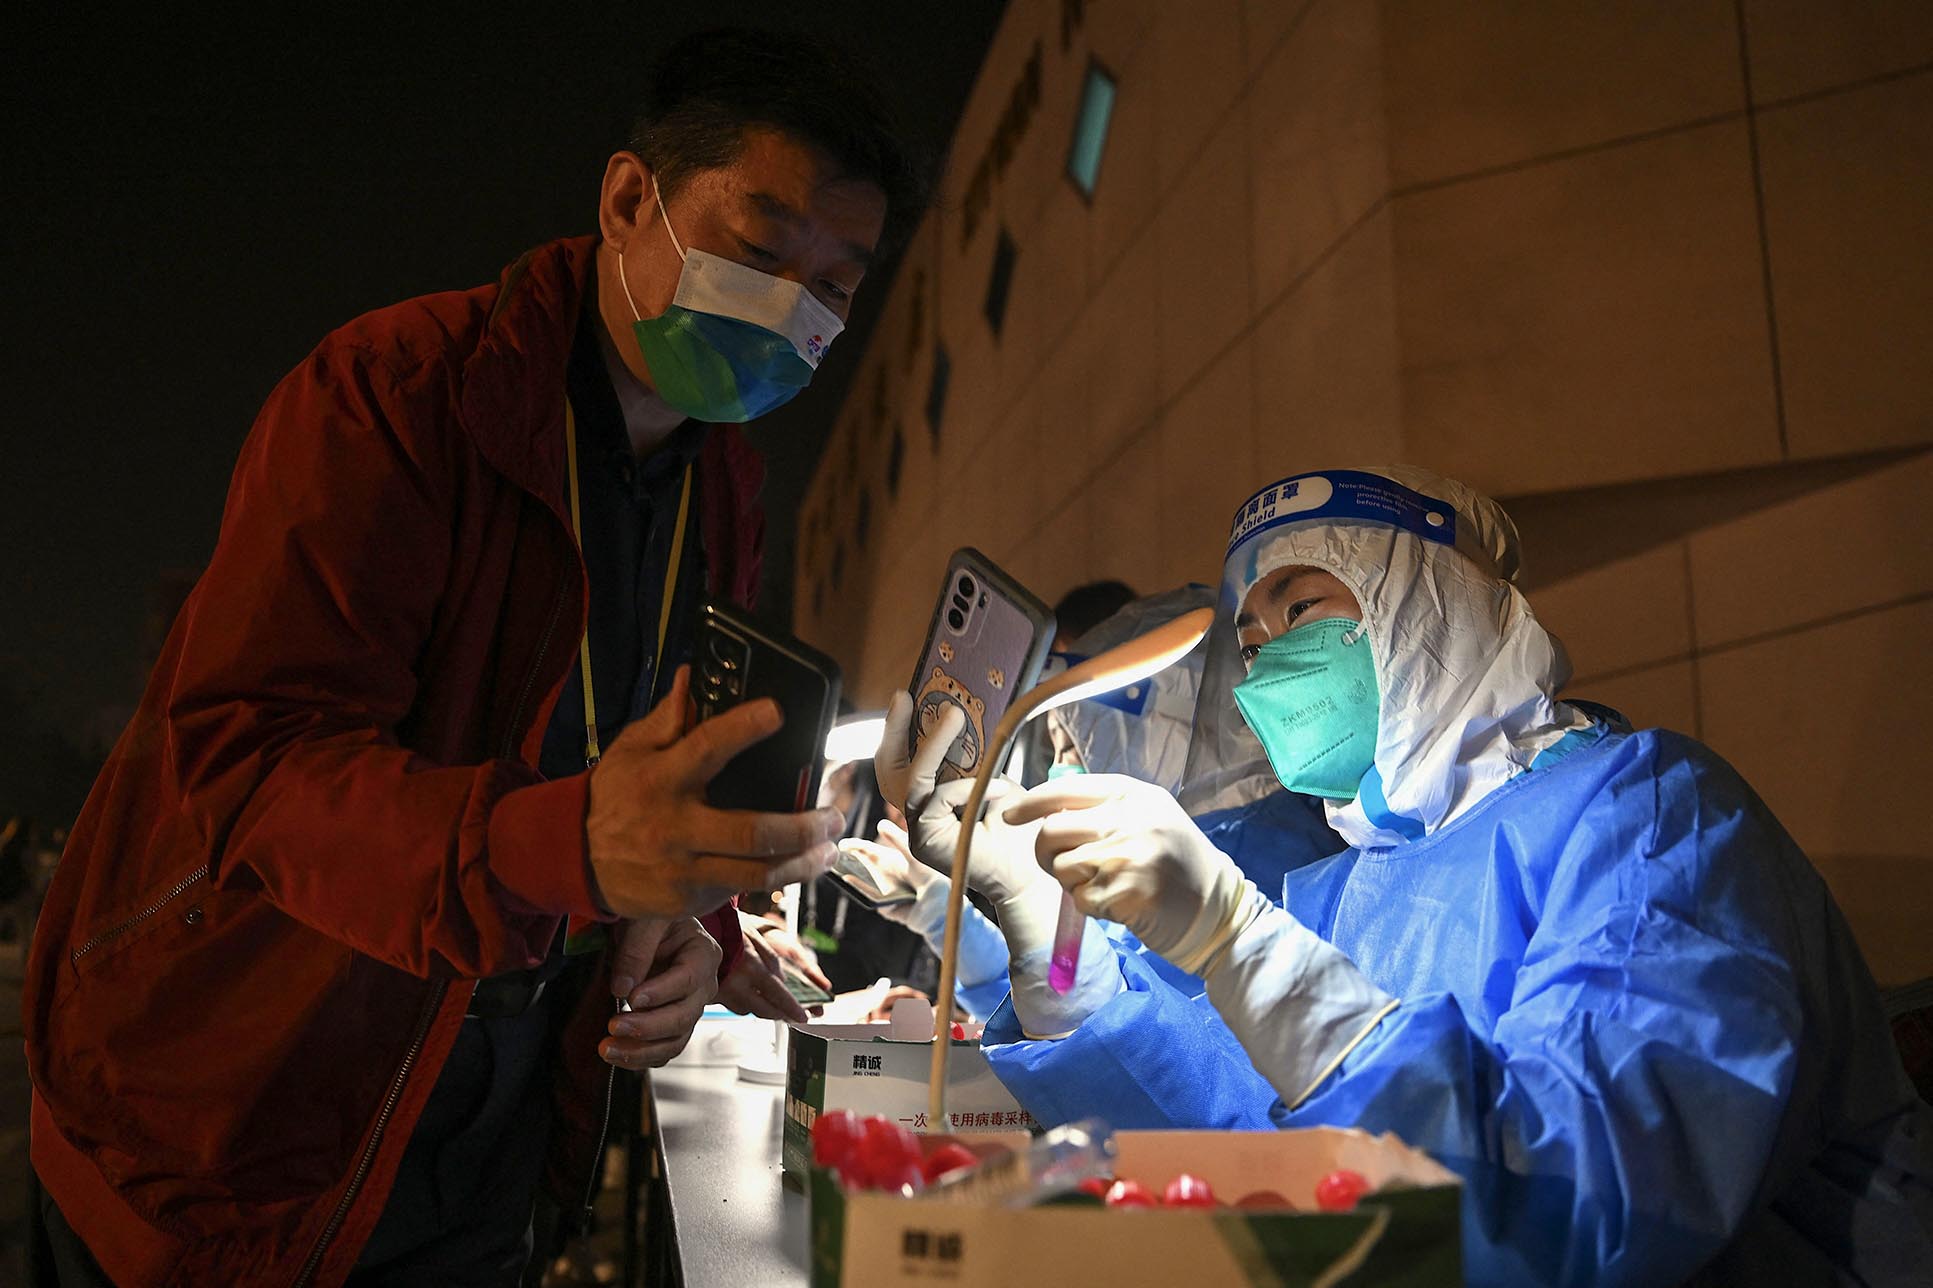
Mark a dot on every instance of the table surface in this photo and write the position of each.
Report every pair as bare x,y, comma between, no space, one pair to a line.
735,1224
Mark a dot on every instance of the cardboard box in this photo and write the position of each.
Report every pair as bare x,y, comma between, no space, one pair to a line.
856,1067
1407,1235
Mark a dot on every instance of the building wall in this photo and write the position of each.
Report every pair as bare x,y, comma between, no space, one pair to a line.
1656,274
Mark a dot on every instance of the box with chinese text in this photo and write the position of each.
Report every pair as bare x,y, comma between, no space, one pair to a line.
854,1066
1406,1231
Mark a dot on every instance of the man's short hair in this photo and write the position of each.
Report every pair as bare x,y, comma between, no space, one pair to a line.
712,85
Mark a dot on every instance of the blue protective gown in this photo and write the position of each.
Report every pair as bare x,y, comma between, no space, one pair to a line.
981,996
1271,837
1632,1019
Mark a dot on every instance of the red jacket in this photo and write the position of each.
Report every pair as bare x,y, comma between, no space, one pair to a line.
324,823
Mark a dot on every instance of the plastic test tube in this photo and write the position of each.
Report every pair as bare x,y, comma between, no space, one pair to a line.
1066,962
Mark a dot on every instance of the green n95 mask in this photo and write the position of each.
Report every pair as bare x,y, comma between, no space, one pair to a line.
735,342
1311,699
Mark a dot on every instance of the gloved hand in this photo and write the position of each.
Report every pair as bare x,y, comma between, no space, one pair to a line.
1001,866
983,950
1127,852
892,857
901,774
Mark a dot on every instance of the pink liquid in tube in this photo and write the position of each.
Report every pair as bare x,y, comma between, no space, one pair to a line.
1066,962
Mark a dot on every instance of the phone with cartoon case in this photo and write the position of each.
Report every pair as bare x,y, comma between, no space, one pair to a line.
987,642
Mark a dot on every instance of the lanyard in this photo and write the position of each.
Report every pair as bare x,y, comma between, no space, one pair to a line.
592,752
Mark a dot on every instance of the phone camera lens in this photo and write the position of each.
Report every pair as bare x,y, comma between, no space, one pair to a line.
956,619
967,585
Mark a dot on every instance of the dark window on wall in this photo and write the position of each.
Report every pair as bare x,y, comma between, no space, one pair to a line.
936,392
1004,253
1090,129
895,460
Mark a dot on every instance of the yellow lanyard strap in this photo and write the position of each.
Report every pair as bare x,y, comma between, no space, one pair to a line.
592,752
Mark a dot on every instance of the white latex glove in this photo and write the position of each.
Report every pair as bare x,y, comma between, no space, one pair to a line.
901,774
983,950
1027,904
1001,865
1128,853
1295,1001
892,857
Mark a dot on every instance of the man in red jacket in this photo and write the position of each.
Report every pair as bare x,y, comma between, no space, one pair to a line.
310,1000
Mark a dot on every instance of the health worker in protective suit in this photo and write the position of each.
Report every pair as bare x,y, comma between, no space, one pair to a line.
1584,967
1143,731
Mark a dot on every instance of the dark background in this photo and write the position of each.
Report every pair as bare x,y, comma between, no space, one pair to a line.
193,203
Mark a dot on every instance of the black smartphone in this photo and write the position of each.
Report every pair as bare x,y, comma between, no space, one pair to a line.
738,660
803,990
986,643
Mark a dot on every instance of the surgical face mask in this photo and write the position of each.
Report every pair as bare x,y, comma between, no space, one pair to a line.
1311,699
1061,769
735,342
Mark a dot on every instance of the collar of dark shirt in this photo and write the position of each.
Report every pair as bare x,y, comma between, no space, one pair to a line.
602,424
648,422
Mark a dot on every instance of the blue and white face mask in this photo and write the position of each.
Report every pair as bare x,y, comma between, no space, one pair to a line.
735,342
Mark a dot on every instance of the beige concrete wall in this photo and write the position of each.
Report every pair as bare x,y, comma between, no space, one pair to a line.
1793,639
1659,279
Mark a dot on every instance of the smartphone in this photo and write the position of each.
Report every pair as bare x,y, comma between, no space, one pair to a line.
869,885
803,990
738,660
986,643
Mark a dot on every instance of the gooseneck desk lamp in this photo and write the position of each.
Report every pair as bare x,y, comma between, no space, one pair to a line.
1120,666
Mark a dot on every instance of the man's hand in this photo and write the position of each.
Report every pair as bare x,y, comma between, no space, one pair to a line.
679,962
658,850
779,944
756,986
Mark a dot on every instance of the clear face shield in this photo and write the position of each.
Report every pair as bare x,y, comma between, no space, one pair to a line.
1141,730
1226,766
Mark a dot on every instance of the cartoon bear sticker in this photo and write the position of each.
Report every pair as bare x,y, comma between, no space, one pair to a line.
940,692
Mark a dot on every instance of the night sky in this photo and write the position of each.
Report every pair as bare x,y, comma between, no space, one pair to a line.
192,206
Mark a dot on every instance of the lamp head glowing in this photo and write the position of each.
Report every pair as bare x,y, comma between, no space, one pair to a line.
1124,664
